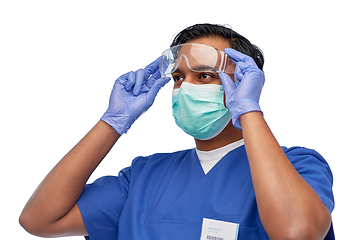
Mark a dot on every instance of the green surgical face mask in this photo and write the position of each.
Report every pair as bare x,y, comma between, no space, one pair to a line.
199,109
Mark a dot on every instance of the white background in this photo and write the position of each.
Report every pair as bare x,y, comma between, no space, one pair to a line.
59,60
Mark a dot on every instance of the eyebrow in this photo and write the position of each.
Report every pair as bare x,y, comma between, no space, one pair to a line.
177,71
202,67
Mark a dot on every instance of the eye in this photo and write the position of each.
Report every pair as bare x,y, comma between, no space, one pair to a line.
209,78
178,78
206,75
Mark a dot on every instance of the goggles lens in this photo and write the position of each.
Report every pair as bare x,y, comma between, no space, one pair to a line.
198,58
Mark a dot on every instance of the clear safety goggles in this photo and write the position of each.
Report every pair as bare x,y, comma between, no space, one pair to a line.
198,58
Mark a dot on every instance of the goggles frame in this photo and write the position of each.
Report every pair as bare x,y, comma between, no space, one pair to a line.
209,58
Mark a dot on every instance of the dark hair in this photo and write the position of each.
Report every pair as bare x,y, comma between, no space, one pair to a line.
236,41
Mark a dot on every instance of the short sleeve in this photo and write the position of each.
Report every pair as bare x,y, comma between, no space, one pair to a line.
315,171
101,204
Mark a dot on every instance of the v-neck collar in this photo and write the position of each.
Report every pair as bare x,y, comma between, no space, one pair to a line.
187,183
208,159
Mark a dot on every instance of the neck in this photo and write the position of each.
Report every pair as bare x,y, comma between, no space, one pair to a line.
229,135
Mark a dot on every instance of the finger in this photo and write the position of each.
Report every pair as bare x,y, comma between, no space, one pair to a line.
240,58
155,76
236,56
152,67
118,85
227,83
130,80
246,66
238,69
238,74
139,80
158,84
121,80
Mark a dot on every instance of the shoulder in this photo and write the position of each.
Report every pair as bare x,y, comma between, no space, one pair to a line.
308,161
299,154
315,170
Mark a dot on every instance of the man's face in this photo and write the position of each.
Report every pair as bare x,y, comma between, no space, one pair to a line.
184,74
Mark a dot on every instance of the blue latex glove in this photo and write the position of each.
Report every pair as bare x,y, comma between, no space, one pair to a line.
133,93
243,95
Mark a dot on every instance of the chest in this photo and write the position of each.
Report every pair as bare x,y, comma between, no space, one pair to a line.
179,191
178,195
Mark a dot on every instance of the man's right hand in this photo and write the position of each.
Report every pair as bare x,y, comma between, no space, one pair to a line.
132,95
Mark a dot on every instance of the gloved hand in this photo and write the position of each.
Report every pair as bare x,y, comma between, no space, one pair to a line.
243,95
133,93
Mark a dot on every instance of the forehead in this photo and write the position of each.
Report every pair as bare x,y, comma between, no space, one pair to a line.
216,42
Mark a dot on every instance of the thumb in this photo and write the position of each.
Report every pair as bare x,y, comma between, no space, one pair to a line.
228,83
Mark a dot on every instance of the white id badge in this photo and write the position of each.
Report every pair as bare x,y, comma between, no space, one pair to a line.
219,230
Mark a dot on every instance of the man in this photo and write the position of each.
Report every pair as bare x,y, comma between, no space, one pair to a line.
238,173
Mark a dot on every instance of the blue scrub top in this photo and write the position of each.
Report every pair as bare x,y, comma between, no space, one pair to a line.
166,196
